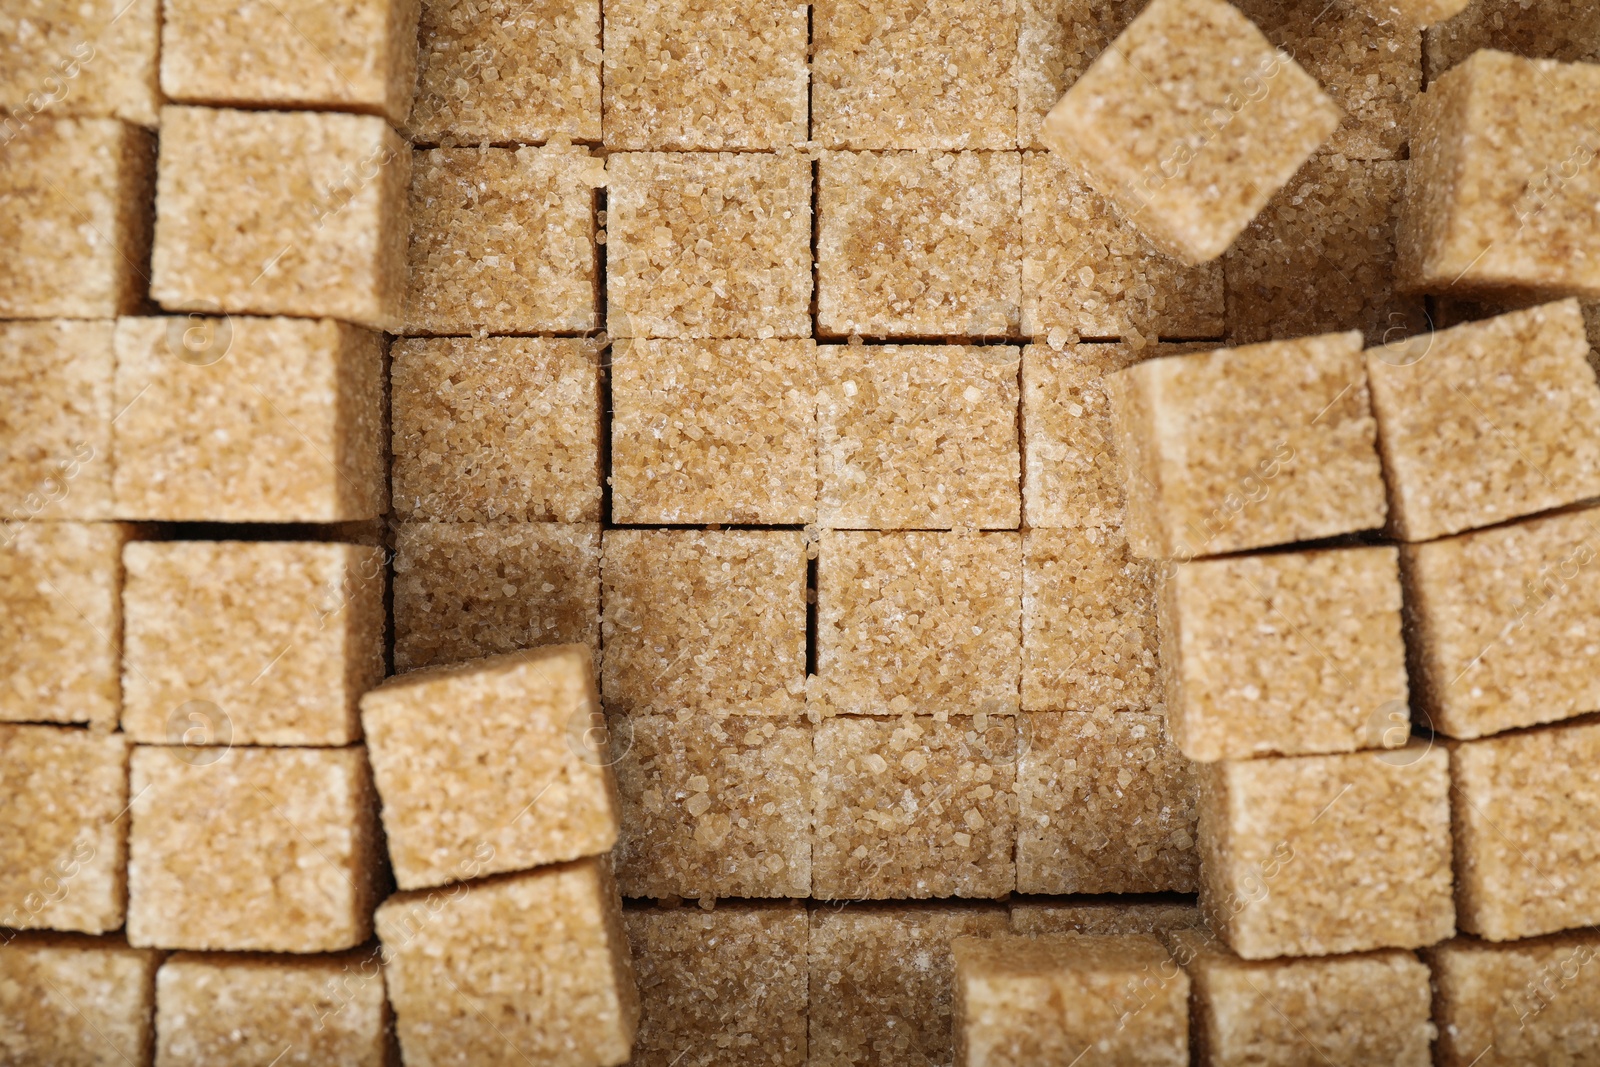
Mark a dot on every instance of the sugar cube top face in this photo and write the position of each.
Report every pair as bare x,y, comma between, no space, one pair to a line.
1057,41
281,213
1189,122
1247,447
94,59
55,431
918,436
903,75
62,832
357,55
74,216
1532,1001
699,75
76,1001
708,245
1318,855
268,849
482,767
475,975
1487,421
248,420
1502,188
714,432
1568,30
1102,917
1070,475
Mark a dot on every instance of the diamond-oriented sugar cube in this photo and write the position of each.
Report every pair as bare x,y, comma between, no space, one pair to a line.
76,1000
55,431
1526,1001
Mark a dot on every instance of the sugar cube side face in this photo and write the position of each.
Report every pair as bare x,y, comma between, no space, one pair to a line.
1568,30
92,60
71,1000
1070,473
1519,1002
56,432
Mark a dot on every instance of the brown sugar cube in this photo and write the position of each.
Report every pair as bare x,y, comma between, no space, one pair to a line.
901,74
276,639
1057,40
698,75
305,1010
491,429
919,806
1106,804
71,1001
1568,30
1415,12
713,806
708,245
61,828
1319,855
704,620
1115,916
269,849
1532,1001
931,615
1525,807
882,981
1487,421
921,436
281,213
723,988
917,245
1501,196
61,622
1330,231
528,968
502,241
238,419
714,431
74,216
1114,1000
1089,634
292,54
1087,271
94,59
1189,123
468,589
55,430
1249,447
1289,653
507,71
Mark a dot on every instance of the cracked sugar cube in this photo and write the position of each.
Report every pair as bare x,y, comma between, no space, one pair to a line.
901,74
698,75
94,59
1526,807
1114,1000
883,982
292,55
494,429
1112,916
281,213
1330,231
1320,855
264,849
934,615
74,215
1106,804
1089,271
713,806
55,431
463,590
1527,1001
704,620
237,419
61,623
508,71
708,245
723,988
72,1001
1487,421
1568,30
921,436
1501,197
502,241
707,431
1288,653
528,968
1057,40
1089,634
488,766
278,638
62,829
213,1008
919,806
1249,447
912,244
